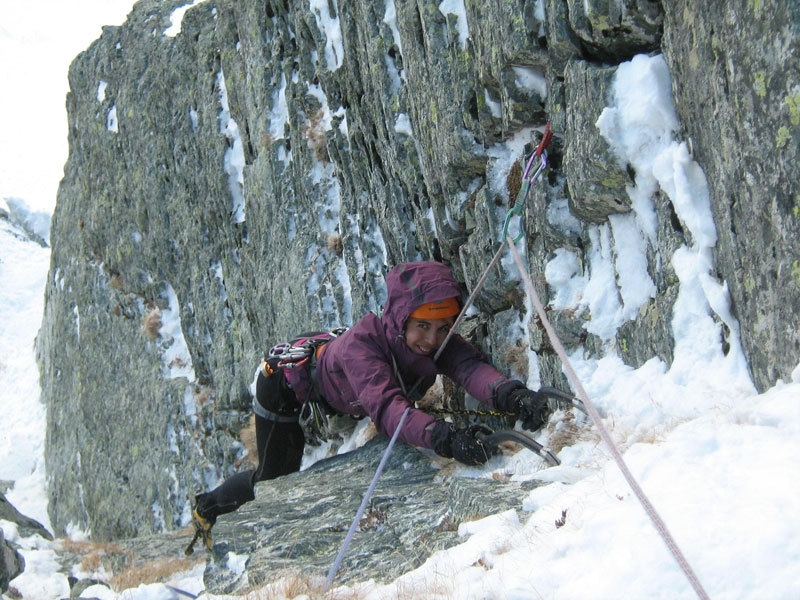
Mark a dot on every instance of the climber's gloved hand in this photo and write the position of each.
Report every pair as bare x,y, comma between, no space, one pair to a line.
462,444
530,407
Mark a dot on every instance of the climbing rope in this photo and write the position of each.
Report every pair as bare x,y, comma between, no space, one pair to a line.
363,507
658,522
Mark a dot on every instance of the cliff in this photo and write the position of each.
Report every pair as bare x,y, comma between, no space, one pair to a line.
255,173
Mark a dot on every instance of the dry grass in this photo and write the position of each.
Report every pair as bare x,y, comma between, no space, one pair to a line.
288,584
295,584
153,572
314,132
97,556
566,432
514,182
203,395
92,553
116,282
151,323
434,398
336,245
516,357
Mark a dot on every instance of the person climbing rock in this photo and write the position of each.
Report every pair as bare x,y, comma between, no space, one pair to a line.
377,368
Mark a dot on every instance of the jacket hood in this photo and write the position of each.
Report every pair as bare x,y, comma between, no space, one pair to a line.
409,286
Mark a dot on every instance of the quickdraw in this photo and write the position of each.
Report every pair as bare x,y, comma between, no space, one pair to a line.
540,155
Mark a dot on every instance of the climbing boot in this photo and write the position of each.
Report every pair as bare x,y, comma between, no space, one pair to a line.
202,531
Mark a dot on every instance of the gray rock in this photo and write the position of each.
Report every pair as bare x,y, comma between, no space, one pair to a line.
12,564
596,181
736,79
300,521
352,159
608,29
25,525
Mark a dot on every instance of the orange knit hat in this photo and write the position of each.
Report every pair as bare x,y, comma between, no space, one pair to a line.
437,310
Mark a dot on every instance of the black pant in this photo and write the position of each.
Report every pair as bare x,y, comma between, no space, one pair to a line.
280,448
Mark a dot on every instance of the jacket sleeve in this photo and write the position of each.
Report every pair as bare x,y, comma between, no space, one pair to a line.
467,366
381,395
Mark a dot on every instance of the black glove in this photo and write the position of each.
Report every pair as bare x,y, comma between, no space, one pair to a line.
530,407
461,444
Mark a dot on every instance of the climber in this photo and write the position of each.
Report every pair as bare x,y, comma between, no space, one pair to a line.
376,369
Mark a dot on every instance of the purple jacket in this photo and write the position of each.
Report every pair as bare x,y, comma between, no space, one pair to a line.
356,374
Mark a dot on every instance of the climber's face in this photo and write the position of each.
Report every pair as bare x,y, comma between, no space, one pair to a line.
424,336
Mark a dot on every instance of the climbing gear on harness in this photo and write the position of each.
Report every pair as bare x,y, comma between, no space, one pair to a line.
297,352
294,356
314,422
540,154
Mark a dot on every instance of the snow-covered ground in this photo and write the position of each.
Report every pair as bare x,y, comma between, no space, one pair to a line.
718,461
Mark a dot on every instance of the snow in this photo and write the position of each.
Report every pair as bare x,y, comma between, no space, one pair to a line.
390,18
531,79
233,160
717,459
279,114
176,18
457,8
111,120
328,24
175,356
402,125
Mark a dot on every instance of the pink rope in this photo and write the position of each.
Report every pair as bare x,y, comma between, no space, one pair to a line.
658,522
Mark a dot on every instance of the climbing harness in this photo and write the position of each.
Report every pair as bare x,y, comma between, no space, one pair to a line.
303,351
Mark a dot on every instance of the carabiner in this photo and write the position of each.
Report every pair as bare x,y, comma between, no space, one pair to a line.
541,154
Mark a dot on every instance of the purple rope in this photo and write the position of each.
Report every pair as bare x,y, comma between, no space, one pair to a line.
360,513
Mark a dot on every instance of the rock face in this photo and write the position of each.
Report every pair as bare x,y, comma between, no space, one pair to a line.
255,173
11,561
736,77
300,520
